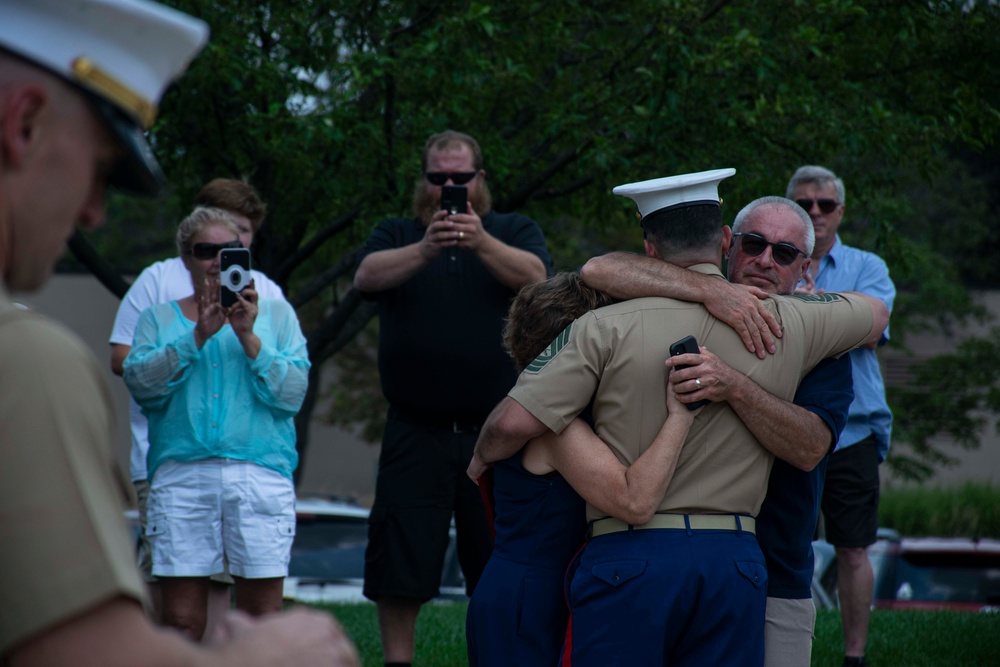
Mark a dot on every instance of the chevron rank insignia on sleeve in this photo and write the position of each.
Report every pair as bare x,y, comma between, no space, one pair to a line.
550,352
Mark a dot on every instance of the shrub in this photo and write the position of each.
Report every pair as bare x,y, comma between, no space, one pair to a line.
971,510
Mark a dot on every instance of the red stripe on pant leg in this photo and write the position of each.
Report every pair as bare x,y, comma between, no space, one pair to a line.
567,652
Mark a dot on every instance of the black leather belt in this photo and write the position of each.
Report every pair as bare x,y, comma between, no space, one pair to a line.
463,427
440,424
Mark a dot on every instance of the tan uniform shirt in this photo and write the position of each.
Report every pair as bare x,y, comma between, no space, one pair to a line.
616,354
64,545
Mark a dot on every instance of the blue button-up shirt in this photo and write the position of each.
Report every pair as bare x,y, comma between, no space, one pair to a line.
847,269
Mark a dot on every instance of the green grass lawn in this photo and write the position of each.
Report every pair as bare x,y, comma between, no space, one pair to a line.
897,639
915,639
440,633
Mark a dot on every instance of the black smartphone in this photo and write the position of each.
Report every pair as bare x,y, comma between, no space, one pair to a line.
234,274
453,198
687,345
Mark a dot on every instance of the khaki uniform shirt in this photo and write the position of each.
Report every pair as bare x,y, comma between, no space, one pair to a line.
616,355
64,545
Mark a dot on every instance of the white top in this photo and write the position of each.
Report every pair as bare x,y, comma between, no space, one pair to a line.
161,282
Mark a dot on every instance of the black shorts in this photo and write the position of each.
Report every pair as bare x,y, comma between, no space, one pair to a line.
850,495
421,483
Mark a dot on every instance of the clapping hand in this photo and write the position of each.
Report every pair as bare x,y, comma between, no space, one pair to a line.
243,313
211,314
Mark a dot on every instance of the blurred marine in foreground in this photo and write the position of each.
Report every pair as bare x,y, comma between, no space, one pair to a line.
79,83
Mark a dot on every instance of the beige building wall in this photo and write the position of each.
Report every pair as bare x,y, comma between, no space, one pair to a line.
983,464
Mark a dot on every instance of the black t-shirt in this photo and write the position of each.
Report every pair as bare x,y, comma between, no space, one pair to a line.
440,354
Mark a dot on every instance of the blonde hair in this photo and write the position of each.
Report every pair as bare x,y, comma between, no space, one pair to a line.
199,219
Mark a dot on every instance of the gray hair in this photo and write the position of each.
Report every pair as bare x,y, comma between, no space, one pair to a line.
821,176
807,225
200,218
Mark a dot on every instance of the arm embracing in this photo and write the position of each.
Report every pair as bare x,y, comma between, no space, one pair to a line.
788,431
154,370
631,493
505,432
625,275
880,320
628,276
793,434
281,369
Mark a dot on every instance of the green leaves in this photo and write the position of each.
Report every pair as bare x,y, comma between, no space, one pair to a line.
325,105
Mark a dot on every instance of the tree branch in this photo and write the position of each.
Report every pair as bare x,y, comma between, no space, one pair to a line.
347,319
344,266
569,188
307,249
525,192
713,10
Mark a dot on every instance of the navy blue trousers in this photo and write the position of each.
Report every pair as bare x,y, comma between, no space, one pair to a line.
667,597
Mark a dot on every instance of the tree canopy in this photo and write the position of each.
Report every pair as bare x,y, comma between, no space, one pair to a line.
324,106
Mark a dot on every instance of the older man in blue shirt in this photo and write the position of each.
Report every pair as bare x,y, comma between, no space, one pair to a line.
851,492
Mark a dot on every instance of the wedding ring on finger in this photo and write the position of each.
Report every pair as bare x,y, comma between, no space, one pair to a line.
461,235
697,383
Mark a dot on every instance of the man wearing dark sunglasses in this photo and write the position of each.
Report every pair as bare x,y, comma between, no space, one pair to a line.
851,490
769,254
443,281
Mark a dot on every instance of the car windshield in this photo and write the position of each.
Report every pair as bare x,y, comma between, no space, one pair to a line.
329,548
948,577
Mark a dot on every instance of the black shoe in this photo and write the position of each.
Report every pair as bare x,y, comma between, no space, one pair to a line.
854,661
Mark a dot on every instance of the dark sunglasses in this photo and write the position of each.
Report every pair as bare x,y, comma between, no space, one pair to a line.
457,177
825,205
210,250
754,244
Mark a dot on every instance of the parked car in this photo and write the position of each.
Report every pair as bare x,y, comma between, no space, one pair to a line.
824,591
960,574
328,554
